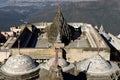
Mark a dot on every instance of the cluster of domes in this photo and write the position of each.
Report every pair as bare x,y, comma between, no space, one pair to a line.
23,64
19,64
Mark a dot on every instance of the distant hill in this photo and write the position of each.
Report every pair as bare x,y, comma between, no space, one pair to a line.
2,1
102,12
9,18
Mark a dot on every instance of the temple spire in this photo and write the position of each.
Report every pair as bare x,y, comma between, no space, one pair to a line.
59,29
59,16
101,30
19,46
59,10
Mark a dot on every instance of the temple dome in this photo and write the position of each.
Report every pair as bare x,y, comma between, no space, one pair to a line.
61,62
97,65
19,64
51,62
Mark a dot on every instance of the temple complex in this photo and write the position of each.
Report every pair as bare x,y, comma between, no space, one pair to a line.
59,50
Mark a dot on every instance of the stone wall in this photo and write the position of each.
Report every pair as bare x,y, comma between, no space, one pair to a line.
80,54
69,54
34,52
4,55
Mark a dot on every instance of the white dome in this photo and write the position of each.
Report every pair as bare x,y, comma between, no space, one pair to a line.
18,64
95,64
61,62
51,62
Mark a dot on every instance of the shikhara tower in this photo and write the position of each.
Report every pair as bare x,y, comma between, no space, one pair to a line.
59,28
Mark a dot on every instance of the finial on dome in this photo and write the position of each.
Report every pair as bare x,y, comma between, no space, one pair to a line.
19,46
56,57
101,30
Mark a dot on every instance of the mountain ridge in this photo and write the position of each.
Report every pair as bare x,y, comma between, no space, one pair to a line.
102,12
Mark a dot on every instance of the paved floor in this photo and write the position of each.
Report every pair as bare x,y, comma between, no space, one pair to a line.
82,43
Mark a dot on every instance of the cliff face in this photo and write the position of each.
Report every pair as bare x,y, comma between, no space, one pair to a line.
59,29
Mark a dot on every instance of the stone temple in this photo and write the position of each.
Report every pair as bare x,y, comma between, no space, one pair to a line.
82,53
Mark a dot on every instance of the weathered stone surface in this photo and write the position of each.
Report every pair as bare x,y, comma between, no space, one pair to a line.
60,28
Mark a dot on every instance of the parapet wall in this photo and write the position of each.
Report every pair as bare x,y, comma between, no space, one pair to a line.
70,54
80,54
34,52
